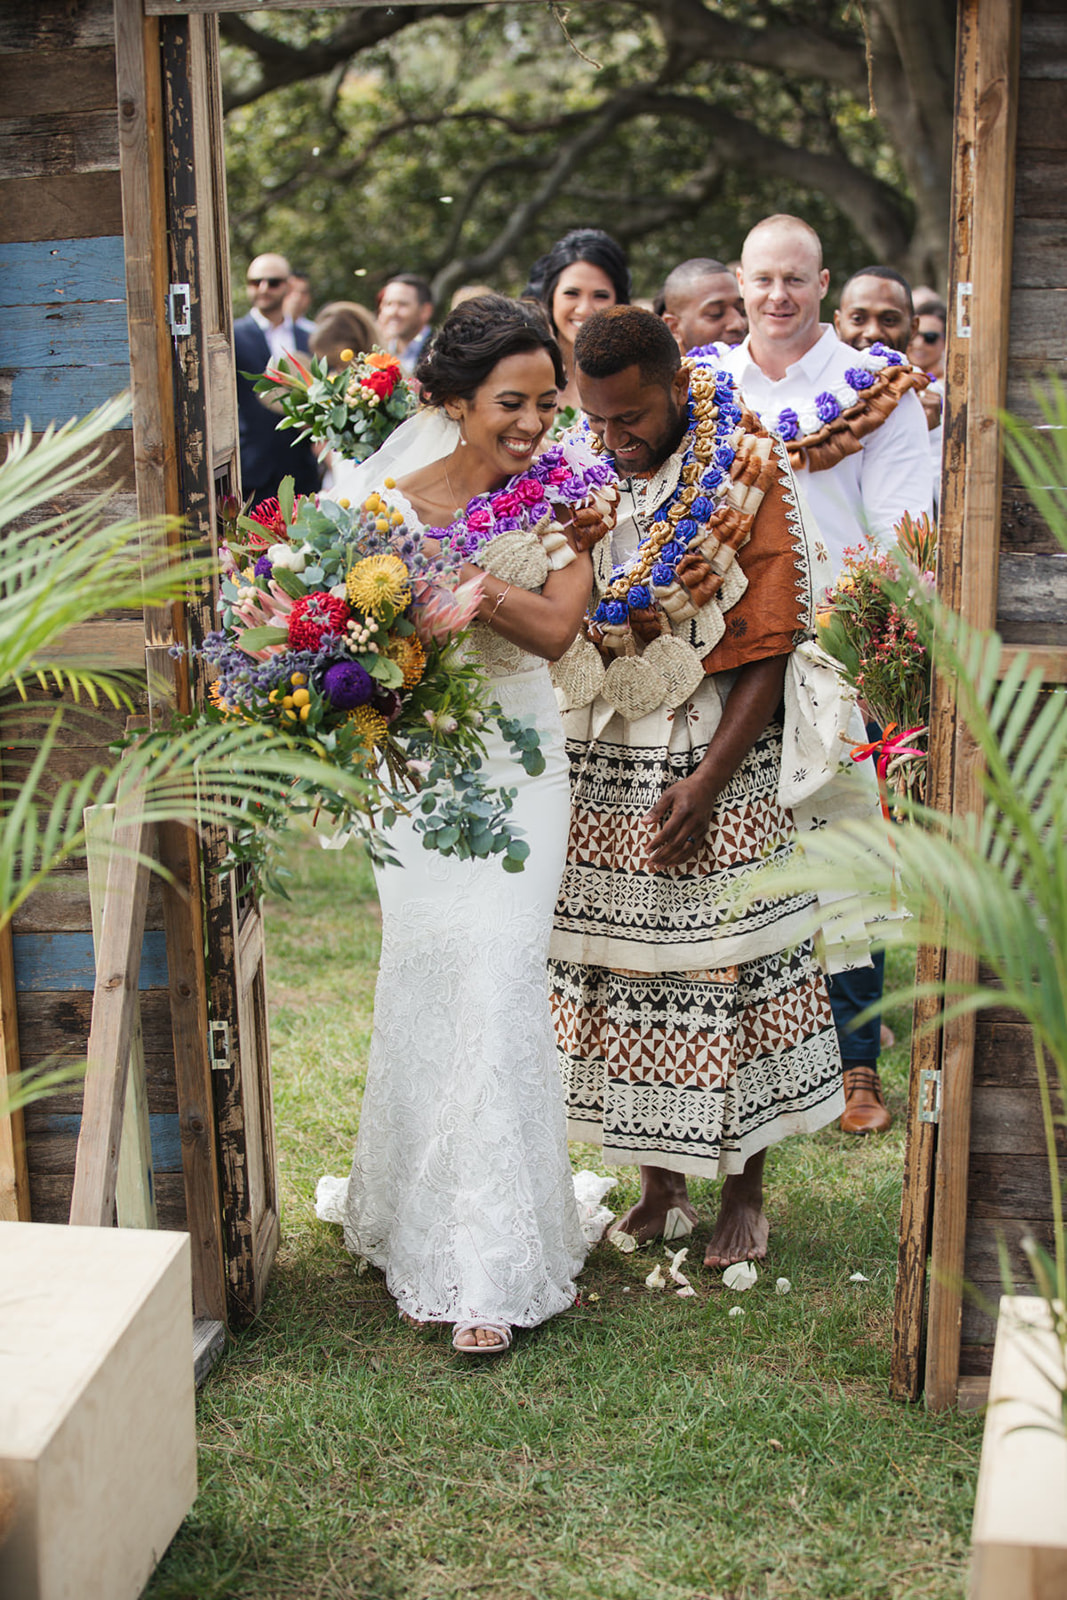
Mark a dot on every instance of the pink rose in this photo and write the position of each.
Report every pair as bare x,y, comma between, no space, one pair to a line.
559,474
529,491
506,504
480,518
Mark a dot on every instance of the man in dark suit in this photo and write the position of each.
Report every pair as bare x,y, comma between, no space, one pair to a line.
260,339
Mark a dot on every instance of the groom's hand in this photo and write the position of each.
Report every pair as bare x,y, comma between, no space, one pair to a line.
680,819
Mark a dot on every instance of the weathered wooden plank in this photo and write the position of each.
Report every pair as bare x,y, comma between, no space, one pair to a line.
159,1076
103,642
52,1139
1003,1050
1032,588
1022,529
58,1020
55,25
14,1173
209,1341
1038,323
984,1236
56,394
50,1197
1051,658
69,206
65,961
61,905
1008,1121
983,173
175,8
1042,117
74,81
82,333
41,271
1043,47
135,1205
1003,1185
46,147
1039,187
114,1008
1039,258
179,853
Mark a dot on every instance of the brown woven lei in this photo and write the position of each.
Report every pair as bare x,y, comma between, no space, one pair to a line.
844,436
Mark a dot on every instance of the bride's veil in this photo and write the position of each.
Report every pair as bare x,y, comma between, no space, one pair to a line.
425,437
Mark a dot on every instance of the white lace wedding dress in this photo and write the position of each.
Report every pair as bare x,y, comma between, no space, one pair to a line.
461,1187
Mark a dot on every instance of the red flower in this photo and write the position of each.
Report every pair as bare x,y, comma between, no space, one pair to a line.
268,514
383,382
314,616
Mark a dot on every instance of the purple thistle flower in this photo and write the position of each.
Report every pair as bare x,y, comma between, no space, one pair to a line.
263,567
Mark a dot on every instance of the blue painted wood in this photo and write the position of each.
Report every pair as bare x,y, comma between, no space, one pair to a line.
85,333
62,269
55,394
164,1130
65,961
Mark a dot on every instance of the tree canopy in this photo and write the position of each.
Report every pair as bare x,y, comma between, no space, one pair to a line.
459,140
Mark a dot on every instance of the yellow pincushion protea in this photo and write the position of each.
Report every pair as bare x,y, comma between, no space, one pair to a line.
377,582
410,657
370,725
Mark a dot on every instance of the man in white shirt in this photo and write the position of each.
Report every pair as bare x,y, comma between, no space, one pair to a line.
858,439
260,339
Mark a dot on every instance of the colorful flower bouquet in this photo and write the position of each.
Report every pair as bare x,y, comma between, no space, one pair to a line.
352,411
342,634
876,640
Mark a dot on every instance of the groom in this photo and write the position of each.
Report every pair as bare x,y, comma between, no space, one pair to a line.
691,1036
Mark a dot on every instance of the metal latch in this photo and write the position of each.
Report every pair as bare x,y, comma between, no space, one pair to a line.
929,1095
963,310
219,1046
180,310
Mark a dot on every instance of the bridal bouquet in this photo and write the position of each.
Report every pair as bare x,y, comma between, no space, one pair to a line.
342,634
352,411
875,639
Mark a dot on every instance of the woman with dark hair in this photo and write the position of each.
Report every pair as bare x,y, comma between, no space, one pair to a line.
584,272
461,1187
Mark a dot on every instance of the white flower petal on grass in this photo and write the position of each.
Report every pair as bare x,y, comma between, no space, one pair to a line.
858,1277
655,1279
736,1311
782,1286
677,1224
677,1257
684,1294
741,1276
623,1241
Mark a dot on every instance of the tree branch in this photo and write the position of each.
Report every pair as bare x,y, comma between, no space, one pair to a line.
695,32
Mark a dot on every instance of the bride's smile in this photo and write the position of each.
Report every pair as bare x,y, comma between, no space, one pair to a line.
505,420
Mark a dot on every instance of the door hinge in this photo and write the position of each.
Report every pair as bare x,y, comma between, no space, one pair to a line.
180,310
963,310
219,1050
929,1095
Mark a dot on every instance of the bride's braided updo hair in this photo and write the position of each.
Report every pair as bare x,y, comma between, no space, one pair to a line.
474,338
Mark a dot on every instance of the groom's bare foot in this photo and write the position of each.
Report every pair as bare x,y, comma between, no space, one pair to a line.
661,1191
742,1229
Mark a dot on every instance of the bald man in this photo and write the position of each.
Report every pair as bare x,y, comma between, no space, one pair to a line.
260,339
799,378
702,304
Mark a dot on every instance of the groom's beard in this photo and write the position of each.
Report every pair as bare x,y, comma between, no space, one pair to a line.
657,449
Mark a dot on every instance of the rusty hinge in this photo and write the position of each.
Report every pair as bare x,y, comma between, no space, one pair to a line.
929,1095
180,310
219,1049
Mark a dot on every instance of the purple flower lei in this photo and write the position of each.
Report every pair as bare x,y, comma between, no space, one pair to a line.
691,526
522,502
827,406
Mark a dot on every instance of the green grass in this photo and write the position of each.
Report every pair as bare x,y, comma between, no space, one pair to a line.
640,1447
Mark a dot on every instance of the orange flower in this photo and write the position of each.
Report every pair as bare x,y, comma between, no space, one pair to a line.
379,360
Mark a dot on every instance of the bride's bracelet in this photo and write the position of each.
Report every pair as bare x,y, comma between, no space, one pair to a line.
501,597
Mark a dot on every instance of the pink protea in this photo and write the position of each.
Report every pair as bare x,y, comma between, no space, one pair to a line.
441,613
268,607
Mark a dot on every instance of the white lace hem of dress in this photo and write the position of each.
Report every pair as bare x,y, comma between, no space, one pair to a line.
331,1195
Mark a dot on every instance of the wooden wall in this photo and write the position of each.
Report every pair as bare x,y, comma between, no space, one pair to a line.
1008,1191
64,348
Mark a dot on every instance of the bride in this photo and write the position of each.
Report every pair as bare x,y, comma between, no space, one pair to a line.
461,1186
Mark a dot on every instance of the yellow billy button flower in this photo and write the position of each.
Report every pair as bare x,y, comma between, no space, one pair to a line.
301,698
377,582
287,701
344,502
305,712
372,503
348,355
297,679
388,483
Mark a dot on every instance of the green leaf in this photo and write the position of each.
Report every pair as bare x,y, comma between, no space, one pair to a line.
261,638
286,498
288,580
387,672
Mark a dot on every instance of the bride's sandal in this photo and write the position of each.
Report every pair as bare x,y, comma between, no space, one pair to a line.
501,1329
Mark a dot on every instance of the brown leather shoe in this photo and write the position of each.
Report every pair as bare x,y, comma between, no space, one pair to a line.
865,1107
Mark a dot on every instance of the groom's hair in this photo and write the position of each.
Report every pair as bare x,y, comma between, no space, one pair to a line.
477,335
627,336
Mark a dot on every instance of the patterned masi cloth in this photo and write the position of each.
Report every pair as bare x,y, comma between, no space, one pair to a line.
691,1036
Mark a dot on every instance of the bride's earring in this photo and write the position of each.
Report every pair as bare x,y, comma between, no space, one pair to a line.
458,420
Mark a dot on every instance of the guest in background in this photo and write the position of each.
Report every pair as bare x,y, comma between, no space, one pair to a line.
702,304
298,301
260,340
343,325
405,314
469,291
927,348
876,308
584,272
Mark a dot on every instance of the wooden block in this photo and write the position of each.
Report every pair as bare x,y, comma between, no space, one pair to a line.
209,1341
61,905
1019,1534
972,1393
97,1417
71,205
